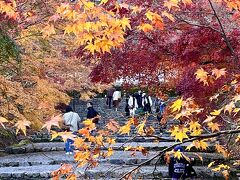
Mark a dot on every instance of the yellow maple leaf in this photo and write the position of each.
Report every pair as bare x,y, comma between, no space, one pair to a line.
194,125
149,15
54,135
110,152
111,141
219,72
220,149
211,164
177,105
125,129
89,123
200,144
69,29
22,125
202,76
103,2
179,133
196,132
171,4
127,148
89,5
221,167
213,126
125,23
99,140
168,15
78,142
177,154
216,112
203,145
140,128
91,47
145,27
189,147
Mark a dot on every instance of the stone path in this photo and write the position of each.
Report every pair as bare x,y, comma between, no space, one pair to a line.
36,161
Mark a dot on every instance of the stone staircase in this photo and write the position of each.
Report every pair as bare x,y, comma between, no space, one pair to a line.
38,159
47,157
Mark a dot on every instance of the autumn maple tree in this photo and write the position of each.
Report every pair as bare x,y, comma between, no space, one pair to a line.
189,46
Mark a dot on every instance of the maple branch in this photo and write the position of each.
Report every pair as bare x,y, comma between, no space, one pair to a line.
224,33
200,25
161,153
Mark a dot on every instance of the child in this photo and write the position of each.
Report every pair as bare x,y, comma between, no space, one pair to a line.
181,168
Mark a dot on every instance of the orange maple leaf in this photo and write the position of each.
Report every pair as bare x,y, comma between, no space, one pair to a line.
219,72
202,76
113,125
187,2
171,4
168,15
213,126
145,27
54,121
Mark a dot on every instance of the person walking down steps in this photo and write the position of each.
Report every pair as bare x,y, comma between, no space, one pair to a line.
110,97
132,102
92,113
127,110
147,103
116,99
72,121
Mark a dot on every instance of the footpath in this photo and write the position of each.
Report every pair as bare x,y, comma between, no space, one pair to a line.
38,159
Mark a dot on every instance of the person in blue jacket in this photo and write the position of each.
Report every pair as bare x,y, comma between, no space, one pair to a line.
181,168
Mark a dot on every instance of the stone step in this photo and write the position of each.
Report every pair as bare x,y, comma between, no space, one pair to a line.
109,171
118,138
27,172
104,171
59,146
118,158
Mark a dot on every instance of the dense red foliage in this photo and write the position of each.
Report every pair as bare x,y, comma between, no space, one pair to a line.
191,42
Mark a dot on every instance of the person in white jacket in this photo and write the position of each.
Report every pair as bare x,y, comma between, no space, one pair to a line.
147,103
117,98
132,103
73,120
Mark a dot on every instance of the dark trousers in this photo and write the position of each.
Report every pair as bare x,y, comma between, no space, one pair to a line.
109,101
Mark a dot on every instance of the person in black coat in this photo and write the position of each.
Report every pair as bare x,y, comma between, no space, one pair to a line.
92,113
138,96
181,168
127,110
